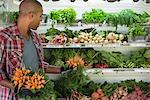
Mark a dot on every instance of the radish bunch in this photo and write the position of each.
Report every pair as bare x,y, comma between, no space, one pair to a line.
99,95
119,94
101,66
59,39
137,95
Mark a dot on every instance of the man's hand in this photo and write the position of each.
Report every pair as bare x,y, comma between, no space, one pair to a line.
6,83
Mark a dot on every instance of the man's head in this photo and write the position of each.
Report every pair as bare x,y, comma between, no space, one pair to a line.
31,11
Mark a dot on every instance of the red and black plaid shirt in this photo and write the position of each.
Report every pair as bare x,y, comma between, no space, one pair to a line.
11,51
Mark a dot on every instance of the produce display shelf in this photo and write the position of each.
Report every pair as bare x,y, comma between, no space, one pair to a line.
116,70
117,75
99,45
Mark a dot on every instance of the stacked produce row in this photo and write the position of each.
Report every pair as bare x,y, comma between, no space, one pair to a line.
76,86
67,17
88,58
54,36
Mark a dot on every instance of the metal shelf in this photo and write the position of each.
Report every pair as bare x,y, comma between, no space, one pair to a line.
112,74
118,74
96,46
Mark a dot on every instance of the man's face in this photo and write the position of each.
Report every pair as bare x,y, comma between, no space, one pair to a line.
37,18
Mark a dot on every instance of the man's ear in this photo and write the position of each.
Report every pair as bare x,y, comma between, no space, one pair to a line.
31,15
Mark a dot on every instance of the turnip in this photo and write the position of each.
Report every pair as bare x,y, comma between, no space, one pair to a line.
113,41
111,36
106,41
100,37
119,41
90,37
85,42
75,39
79,36
96,41
117,36
81,40
124,42
90,33
70,40
96,35
121,37
85,38
90,41
81,33
93,42
94,38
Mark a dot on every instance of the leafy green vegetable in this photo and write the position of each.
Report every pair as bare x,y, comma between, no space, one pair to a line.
136,30
144,17
89,56
138,58
109,88
49,37
89,88
11,16
95,16
65,16
147,53
52,32
70,81
114,59
145,86
128,84
128,17
112,18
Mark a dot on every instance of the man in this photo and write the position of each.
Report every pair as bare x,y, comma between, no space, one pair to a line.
20,46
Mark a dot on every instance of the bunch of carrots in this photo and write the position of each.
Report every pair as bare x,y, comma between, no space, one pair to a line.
35,82
75,61
21,78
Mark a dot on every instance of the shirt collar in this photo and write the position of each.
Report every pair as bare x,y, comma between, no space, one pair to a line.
15,30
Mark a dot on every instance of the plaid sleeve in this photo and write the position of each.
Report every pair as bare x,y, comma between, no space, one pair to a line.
2,59
2,76
45,64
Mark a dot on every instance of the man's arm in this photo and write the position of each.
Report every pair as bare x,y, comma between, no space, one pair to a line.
3,81
51,68
6,83
48,68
